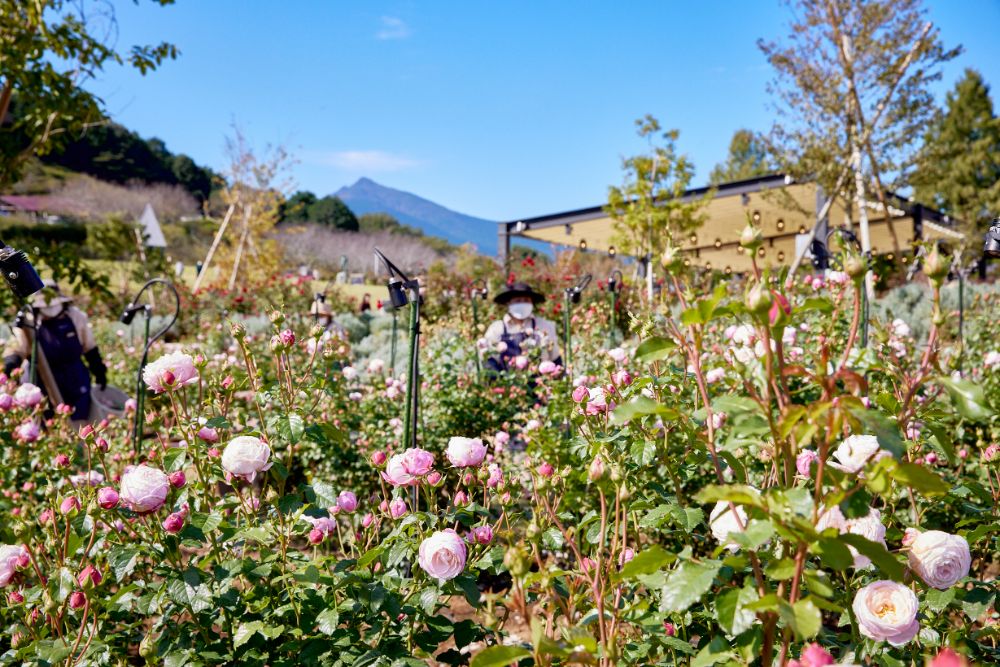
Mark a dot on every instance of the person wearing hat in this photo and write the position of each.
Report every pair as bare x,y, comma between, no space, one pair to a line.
322,315
65,339
520,331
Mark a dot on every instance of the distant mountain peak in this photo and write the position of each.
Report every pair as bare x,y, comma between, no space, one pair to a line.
367,196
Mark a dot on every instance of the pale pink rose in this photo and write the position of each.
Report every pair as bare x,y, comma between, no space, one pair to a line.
992,360
621,377
170,372
398,508
887,611
395,472
347,501
323,524
501,438
723,523
355,396
460,499
580,393
6,401
442,555
245,456
209,435
597,402
627,554
870,527
27,396
909,535
130,405
465,452
496,476
521,362
838,278
596,470
718,419
144,489
548,368
69,504
107,497
939,558
714,375
532,425
618,355
10,558
349,373
804,461
481,535
27,432
376,366
367,520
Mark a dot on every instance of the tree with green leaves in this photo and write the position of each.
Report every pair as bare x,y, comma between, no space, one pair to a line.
332,212
295,209
852,94
959,165
748,158
48,50
648,212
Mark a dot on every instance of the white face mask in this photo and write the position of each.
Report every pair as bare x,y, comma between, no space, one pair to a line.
50,311
520,311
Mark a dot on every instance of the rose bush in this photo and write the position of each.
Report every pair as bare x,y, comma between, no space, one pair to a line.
732,485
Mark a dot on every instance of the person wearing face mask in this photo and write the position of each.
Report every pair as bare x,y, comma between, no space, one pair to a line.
520,331
65,340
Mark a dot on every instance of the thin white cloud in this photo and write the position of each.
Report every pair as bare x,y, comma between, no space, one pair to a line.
393,28
367,161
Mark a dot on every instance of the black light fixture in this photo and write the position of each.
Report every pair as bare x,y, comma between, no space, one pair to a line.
780,224
21,277
718,243
583,244
756,216
694,239
611,251
781,255
991,241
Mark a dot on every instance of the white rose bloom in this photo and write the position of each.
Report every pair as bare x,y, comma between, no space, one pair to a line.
887,611
900,328
832,518
724,522
940,559
854,452
869,527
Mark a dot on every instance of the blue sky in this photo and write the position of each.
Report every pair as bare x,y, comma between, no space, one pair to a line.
499,110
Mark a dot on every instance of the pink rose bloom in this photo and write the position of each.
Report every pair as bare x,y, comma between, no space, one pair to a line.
481,535
992,359
939,558
521,362
626,555
580,393
177,479
461,499
323,524
532,425
6,401
545,470
245,456
548,368
89,576
496,476
376,366
170,372
715,375
597,402
442,555
173,523
622,378
130,405
27,396
27,432
433,478
397,508
144,489
465,452
107,497
349,373
501,438
367,520
804,461
417,462
347,501
948,658
10,558
618,355
209,435
815,655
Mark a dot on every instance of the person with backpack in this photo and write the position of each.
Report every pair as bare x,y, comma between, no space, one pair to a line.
65,340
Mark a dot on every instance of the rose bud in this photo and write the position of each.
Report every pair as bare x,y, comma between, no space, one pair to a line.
177,479
173,523
77,600
89,577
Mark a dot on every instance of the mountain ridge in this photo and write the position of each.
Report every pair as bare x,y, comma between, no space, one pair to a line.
367,196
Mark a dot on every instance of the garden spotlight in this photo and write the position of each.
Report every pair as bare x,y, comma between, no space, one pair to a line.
398,285
127,316
17,270
572,295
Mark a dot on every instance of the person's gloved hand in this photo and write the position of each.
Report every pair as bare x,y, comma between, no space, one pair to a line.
97,367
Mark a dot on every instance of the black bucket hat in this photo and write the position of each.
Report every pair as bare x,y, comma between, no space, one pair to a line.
518,289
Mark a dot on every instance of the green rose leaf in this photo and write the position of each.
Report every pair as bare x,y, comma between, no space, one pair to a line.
687,584
646,561
968,398
499,656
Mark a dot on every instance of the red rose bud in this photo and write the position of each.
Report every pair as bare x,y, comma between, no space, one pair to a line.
780,308
177,479
77,600
69,505
168,378
173,523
